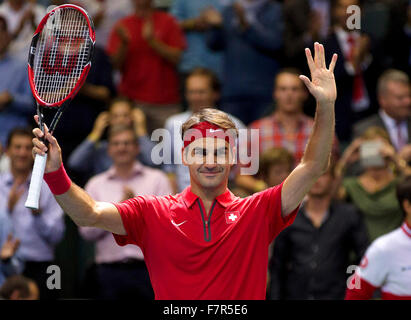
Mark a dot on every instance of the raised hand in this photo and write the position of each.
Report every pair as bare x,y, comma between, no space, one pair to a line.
322,85
9,247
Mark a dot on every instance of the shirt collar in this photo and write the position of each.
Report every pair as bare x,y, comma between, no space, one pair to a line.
224,199
138,168
389,122
406,228
9,179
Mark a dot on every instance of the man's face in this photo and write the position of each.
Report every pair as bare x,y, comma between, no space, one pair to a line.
322,186
142,3
396,100
209,161
120,113
277,173
289,93
340,11
19,152
123,148
199,93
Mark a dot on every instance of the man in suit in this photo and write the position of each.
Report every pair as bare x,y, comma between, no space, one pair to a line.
394,115
355,73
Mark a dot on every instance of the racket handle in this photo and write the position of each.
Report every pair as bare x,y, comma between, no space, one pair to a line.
36,181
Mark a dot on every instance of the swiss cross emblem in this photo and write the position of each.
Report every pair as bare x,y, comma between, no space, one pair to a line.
232,216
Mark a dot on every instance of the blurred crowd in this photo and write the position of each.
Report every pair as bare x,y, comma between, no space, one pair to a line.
156,63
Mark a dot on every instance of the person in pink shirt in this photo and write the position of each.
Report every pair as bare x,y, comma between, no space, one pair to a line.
121,271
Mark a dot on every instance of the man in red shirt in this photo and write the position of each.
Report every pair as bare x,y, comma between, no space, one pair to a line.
206,243
146,48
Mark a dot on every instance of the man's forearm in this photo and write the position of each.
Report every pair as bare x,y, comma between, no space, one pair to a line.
171,54
318,151
78,205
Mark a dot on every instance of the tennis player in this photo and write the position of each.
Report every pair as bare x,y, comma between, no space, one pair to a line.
206,243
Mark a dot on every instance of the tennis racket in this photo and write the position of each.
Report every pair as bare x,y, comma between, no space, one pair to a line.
59,61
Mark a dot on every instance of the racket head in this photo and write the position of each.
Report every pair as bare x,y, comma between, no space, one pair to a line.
60,55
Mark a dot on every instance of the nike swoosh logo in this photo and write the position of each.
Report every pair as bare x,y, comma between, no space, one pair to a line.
177,224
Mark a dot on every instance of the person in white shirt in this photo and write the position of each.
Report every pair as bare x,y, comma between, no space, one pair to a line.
387,262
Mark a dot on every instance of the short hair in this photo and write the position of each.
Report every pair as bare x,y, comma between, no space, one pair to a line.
403,191
211,115
13,283
391,75
120,128
19,131
289,70
120,99
275,156
374,132
204,72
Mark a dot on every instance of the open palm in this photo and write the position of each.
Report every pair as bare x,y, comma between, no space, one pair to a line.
322,85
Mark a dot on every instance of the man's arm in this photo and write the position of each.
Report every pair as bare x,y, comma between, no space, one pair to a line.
317,153
81,208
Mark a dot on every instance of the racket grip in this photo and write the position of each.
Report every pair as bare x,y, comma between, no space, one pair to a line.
36,181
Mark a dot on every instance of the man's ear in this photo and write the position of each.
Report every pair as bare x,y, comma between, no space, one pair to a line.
183,156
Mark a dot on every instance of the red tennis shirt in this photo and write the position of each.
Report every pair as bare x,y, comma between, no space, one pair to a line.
191,254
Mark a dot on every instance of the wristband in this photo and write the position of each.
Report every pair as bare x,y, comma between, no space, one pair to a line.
58,181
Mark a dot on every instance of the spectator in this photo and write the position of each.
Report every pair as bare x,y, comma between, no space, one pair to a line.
105,14
91,158
121,271
250,35
16,101
311,257
356,71
373,191
192,19
202,91
22,19
38,230
301,32
394,97
386,263
10,261
146,47
19,288
275,165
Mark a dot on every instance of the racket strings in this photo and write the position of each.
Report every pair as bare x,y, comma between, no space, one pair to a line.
62,53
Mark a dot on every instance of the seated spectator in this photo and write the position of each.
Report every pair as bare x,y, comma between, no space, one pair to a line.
91,158
121,271
311,257
394,115
16,100
275,165
19,288
386,263
250,35
40,230
192,19
373,191
202,90
10,262
22,19
355,73
146,47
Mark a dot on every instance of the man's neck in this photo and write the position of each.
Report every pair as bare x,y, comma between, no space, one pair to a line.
124,171
207,195
288,119
143,12
317,206
19,174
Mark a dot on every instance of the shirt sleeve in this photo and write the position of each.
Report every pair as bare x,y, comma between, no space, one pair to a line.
268,202
373,267
131,212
